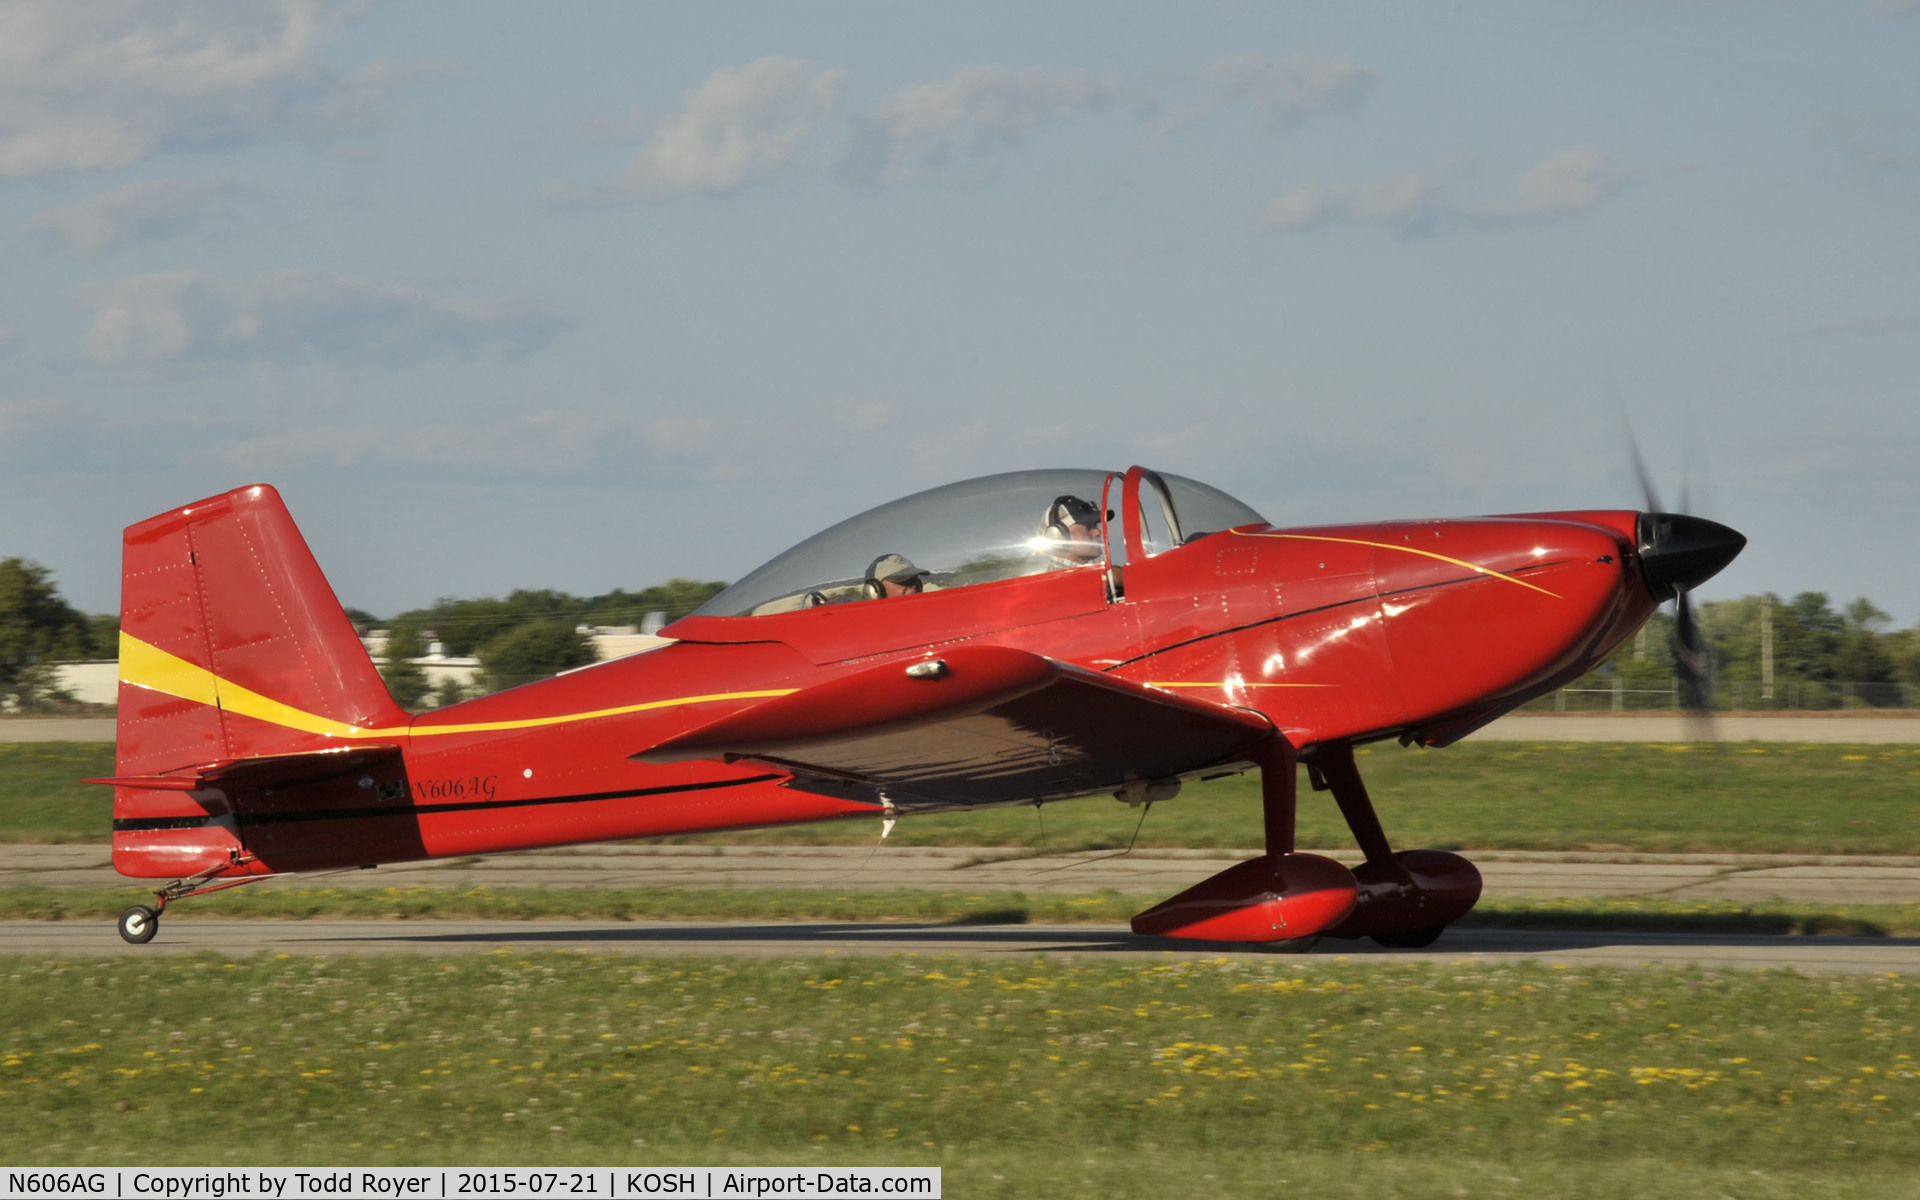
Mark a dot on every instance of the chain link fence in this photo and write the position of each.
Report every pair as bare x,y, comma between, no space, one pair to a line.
1732,695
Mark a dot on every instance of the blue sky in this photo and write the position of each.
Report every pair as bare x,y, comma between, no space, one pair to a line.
585,296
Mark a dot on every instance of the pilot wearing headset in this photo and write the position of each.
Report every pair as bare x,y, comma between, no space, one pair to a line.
893,575
1073,532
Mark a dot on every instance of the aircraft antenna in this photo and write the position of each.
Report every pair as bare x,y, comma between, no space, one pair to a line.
1144,810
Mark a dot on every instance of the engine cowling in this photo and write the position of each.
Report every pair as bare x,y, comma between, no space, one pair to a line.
1418,891
1273,898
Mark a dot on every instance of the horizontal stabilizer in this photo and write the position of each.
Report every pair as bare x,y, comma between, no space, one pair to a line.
263,770
165,783
978,725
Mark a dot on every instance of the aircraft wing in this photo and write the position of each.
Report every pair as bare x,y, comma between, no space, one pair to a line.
978,725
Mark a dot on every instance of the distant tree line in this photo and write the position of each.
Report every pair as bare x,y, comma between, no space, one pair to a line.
37,629
1766,652
529,635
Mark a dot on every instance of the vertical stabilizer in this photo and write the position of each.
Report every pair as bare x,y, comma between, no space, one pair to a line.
232,645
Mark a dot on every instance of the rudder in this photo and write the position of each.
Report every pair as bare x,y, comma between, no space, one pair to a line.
232,645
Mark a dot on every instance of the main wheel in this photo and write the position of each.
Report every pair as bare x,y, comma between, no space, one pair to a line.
1411,941
138,924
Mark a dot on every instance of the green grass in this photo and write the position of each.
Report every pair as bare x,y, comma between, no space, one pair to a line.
37,903
42,798
1080,1077
1753,797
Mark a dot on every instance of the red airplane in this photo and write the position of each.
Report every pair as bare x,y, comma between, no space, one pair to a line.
1015,639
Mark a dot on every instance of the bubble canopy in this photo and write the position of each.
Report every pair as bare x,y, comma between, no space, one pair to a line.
973,532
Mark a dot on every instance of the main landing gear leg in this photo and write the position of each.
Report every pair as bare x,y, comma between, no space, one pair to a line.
1335,763
1279,795
140,923
1279,810
1406,900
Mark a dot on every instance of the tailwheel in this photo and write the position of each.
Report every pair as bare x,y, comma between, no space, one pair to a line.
1413,940
138,924
1299,945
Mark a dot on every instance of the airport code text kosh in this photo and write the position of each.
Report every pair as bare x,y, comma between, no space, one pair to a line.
453,1183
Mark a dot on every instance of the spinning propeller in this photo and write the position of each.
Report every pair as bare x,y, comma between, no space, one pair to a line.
1677,554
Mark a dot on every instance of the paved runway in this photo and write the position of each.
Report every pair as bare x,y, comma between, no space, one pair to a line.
56,729
1733,877
806,940
1508,874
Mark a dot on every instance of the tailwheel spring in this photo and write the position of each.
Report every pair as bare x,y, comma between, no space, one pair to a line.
139,923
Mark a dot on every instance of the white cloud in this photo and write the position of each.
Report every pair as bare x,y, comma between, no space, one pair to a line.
741,125
630,126
107,83
1408,198
1285,89
956,131
1569,181
1172,119
358,103
297,316
1288,87
146,211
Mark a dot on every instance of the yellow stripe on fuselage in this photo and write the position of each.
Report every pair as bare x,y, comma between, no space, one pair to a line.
1458,562
152,668
621,710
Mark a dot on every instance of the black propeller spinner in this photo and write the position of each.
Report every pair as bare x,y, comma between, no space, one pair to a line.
1679,552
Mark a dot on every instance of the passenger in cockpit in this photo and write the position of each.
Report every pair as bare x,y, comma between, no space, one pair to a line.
894,575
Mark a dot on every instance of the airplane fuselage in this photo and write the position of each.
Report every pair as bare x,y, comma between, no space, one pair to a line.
1421,629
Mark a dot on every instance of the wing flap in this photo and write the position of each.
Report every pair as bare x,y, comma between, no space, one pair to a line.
978,725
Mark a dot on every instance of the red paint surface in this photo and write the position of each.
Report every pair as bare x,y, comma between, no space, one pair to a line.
1273,898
